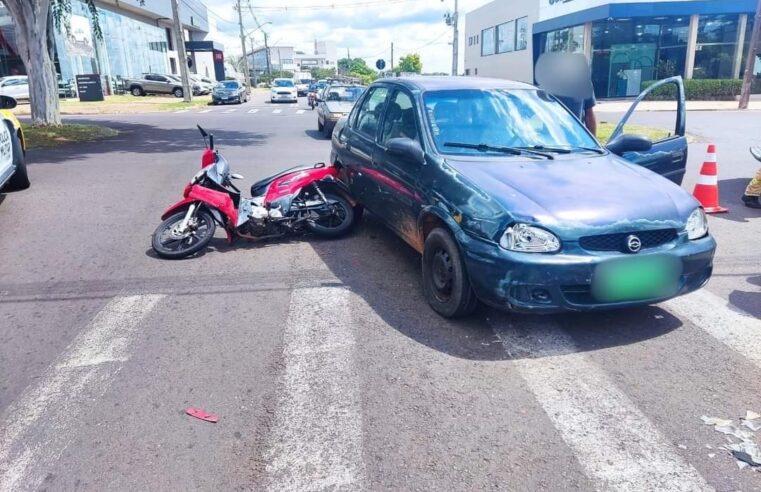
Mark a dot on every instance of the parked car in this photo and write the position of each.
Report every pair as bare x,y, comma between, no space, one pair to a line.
334,102
194,85
205,84
283,90
15,86
229,91
66,88
13,174
512,201
153,83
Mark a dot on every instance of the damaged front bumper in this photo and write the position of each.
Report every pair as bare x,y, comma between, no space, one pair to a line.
551,283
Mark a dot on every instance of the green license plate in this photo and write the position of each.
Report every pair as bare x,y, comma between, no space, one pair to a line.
634,279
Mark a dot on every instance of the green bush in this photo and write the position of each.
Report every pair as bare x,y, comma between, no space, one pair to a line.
698,90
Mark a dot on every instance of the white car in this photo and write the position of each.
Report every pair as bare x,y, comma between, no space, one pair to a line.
15,86
205,87
283,90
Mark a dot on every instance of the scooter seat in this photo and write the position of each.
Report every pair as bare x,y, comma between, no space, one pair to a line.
260,187
756,151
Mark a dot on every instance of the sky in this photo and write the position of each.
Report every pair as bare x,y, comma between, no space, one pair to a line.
365,27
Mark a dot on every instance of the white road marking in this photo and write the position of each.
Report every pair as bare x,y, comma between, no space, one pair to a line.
613,441
232,110
181,111
205,111
299,111
33,429
277,111
253,111
736,329
316,442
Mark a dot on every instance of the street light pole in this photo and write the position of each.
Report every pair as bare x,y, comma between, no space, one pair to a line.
179,40
452,20
750,64
247,74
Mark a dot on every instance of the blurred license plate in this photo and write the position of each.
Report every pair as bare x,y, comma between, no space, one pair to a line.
633,279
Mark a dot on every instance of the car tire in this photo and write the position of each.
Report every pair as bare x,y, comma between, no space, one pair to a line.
137,91
177,92
446,285
320,127
20,178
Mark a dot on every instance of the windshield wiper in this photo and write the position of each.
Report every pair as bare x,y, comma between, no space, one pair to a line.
492,148
566,149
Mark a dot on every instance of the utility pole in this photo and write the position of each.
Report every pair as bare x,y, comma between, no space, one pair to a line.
392,57
253,60
247,74
179,40
451,20
750,64
267,54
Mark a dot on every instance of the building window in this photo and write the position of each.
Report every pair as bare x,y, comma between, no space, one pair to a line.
477,38
506,37
487,42
569,40
716,48
521,42
169,40
467,71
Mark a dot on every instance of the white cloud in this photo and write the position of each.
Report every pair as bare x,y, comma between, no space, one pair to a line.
366,27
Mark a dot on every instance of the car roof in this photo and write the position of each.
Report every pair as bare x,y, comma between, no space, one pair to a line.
436,83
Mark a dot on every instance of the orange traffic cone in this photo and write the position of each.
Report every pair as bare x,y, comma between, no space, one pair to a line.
707,189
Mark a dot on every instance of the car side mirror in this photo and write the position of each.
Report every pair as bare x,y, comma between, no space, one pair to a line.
629,143
7,102
406,148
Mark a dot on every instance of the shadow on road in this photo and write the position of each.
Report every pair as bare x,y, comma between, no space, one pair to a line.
139,138
731,192
317,135
750,302
382,269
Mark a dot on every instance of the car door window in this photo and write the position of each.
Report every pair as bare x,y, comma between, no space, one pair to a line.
151,78
369,114
400,118
9,83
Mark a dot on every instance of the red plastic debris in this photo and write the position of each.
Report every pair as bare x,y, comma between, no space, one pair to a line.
200,414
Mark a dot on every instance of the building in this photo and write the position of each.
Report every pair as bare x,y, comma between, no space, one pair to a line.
280,58
136,39
324,56
627,41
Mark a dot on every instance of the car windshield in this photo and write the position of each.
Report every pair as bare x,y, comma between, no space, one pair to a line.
344,93
482,121
229,85
283,83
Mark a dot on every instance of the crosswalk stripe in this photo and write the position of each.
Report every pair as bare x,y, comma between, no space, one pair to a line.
277,111
613,441
316,441
300,111
253,111
27,440
231,110
736,329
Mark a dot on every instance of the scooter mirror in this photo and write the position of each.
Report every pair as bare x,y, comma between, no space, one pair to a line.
236,176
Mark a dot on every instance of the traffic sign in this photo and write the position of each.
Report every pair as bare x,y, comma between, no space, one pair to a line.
380,64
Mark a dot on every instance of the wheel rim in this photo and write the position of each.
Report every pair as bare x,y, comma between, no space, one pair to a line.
173,240
442,275
336,218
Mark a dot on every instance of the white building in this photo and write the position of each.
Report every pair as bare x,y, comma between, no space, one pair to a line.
627,41
324,56
280,58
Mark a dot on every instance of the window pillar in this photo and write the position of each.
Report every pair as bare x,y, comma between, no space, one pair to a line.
692,42
588,41
742,26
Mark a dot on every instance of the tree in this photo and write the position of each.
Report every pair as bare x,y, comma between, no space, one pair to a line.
35,22
410,64
356,66
323,73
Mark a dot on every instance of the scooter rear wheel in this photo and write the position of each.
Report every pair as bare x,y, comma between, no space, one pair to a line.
338,223
168,243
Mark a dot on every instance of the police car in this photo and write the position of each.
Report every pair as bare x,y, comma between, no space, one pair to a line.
12,149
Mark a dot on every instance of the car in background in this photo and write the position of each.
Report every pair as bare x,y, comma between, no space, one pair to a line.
512,202
15,86
229,91
335,102
283,90
302,80
13,175
203,88
194,85
154,83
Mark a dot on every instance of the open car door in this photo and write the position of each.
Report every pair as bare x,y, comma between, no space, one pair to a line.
666,156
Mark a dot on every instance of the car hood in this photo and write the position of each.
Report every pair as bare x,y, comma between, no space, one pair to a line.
577,195
339,106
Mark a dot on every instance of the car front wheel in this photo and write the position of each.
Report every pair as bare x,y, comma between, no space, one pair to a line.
446,285
178,92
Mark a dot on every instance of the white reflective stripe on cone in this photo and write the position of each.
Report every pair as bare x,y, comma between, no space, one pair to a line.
710,157
708,180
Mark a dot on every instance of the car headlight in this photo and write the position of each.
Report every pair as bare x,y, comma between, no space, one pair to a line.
529,239
697,224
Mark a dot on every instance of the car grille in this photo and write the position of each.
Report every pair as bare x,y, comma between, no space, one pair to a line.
617,242
284,93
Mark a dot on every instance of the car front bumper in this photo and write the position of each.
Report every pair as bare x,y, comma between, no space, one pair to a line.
551,283
284,97
225,98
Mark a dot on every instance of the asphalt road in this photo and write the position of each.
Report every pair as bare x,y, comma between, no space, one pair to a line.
323,362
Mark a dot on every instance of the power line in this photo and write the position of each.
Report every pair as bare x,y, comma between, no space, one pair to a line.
333,6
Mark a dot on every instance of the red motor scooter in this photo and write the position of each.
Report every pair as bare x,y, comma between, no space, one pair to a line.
307,198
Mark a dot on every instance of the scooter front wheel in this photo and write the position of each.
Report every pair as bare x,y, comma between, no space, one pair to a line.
338,222
170,242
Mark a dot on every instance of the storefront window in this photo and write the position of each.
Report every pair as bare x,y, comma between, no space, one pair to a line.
627,52
506,37
521,42
746,47
570,40
487,42
716,48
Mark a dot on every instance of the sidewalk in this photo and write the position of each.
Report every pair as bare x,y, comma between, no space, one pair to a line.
621,106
